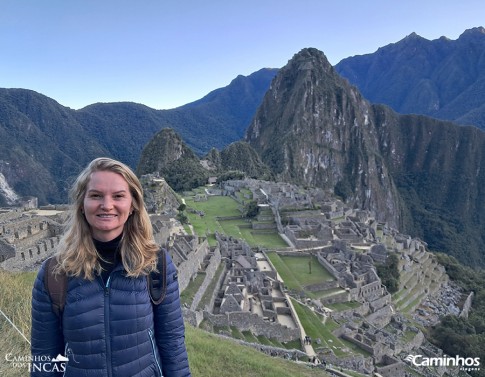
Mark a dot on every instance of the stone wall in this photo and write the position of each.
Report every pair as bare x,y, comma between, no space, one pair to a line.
358,363
246,321
285,353
335,299
328,266
393,368
323,286
217,285
188,268
25,259
210,271
380,318
161,230
347,315
193,317
366,347
10,214
6,250
263,226
158,195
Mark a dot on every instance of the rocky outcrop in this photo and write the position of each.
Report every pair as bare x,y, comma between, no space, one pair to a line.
314,128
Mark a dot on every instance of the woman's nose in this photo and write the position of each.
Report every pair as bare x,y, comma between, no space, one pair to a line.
107,204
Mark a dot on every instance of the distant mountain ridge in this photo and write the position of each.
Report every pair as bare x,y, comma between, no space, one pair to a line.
441,78
41,144
44,145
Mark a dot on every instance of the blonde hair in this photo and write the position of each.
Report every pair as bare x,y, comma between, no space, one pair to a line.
77,255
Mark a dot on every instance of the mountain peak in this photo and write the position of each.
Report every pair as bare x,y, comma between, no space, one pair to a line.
473,32
308,121
413,35
309,58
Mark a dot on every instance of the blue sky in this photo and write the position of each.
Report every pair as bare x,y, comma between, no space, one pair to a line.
166,53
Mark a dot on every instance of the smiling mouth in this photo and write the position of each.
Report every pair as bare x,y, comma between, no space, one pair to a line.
106,216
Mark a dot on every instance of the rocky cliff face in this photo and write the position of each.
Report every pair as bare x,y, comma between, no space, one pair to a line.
420,174
439,170
313,128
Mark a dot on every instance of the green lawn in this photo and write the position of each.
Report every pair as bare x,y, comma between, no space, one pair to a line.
210,355
224,206
341,306
215,206
314,327
187,295
295,271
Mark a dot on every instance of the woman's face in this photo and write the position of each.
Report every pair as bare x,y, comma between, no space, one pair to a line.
107,205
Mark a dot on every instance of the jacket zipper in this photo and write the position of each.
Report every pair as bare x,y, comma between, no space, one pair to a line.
106,327
66,348
150,334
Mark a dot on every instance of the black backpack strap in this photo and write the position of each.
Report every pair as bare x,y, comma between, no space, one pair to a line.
157,280
56,285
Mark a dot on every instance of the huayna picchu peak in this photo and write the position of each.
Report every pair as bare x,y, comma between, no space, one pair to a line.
313,128
421,174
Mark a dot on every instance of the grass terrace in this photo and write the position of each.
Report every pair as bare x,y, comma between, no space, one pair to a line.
341,306
222,214
295,272
187,296
316,329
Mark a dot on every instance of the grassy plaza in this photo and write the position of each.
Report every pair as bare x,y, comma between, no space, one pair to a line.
222,214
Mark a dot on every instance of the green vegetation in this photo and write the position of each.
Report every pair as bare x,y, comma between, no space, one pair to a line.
167,155
249,337
188,294
460,336
211,356
223,214
316,329
295,271
251,209
15,302
389,273
341,306
240,156
210,289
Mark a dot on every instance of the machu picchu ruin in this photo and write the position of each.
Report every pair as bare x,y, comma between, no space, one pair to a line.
316,295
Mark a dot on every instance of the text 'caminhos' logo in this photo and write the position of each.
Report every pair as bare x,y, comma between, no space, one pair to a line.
465,363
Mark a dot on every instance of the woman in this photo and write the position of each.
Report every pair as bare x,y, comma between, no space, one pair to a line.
109,326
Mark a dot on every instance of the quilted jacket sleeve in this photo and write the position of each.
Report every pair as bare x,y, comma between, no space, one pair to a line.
46,340
169,328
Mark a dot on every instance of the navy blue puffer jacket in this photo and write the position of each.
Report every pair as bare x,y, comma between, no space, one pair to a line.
110,330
